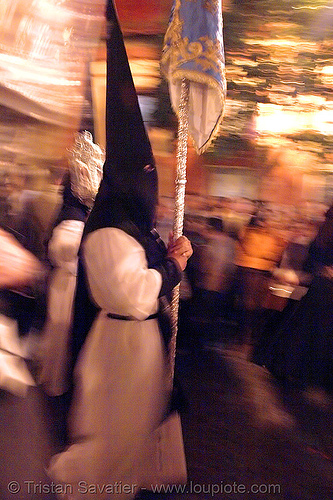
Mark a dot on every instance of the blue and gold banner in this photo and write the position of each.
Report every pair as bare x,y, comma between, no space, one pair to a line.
193,49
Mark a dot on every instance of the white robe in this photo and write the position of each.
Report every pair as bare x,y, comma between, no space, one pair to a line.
121,377
53,352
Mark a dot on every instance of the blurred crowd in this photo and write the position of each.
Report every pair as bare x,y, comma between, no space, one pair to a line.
248,263
243,251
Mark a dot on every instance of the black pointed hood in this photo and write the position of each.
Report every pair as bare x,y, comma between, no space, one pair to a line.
128,191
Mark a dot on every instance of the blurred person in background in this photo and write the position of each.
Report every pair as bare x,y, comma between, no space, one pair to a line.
14,186
14,217
19,270
25,443
26,306
42,201
80,185
259,250
216,270
300,355
289,283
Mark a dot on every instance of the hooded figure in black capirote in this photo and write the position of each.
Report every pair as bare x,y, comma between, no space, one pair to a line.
121,376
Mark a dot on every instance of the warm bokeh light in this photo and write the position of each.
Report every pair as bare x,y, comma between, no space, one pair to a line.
278,120
279,70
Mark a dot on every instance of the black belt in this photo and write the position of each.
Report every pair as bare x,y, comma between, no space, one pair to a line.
129,318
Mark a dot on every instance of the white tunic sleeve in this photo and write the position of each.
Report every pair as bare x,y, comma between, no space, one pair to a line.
118,275
64,244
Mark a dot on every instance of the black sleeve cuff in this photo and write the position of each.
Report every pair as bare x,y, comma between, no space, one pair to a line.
171,275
